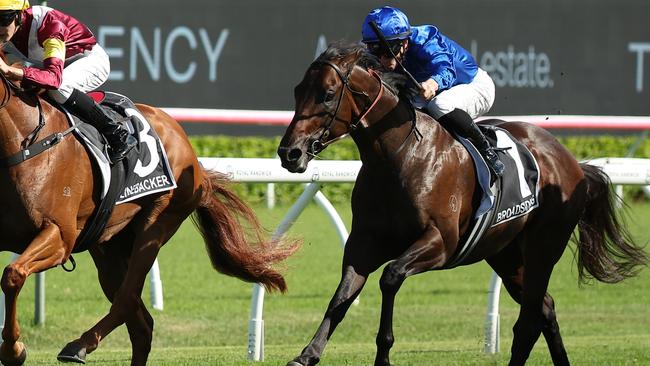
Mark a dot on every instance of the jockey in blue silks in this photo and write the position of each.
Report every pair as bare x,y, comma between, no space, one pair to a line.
455,90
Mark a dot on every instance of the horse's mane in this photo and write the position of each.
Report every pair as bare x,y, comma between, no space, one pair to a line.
397,82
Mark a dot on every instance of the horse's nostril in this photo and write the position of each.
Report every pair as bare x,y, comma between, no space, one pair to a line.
294,154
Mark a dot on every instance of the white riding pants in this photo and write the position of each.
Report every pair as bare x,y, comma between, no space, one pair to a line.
475,98
86,74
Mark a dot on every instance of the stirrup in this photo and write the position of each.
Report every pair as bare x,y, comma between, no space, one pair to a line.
495,163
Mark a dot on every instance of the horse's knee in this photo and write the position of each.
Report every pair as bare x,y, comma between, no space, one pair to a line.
391,279
13,279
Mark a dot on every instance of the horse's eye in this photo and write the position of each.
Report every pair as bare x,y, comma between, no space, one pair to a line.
329,96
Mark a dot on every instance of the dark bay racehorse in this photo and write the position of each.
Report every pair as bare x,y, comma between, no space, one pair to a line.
414,198
48,199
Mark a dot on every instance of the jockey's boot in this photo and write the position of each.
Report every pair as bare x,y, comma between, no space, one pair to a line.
460,122
120,141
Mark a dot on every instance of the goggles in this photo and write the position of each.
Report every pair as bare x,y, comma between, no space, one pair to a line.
378,50
7,17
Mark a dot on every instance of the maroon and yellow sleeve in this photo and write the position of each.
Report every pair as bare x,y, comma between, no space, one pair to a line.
48,77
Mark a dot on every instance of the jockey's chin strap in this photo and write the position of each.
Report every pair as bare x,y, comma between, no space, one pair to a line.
319,144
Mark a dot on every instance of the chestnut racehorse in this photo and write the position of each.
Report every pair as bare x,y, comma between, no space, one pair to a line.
414,197
49,198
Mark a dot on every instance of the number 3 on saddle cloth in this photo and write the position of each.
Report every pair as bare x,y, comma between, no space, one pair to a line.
511,196
144,171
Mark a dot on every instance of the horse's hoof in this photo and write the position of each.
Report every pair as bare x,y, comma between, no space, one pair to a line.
72,352
17,362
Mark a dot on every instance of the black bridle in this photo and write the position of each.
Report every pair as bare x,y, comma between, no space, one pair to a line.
9,87
319,144
30,146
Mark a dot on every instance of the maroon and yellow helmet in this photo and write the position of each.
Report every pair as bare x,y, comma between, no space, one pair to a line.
13,5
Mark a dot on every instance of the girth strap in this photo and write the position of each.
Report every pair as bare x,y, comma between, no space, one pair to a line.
95,226
35,149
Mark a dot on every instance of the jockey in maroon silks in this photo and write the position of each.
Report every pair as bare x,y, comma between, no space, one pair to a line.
63,57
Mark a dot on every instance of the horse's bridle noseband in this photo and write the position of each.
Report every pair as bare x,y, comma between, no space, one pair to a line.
319,144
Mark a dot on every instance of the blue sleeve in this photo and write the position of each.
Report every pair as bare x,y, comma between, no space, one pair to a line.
439,62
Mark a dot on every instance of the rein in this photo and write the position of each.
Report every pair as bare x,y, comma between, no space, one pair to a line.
414,131
30,147
318,145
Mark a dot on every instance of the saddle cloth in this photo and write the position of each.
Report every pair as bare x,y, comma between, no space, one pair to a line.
511,196
519,188
150,171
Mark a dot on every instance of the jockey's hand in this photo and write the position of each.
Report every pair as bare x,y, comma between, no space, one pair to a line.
11,72
3,66
429,89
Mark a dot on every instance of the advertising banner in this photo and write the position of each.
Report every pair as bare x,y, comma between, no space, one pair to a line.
546,57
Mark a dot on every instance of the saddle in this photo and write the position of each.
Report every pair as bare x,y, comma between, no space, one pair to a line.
144,171
511,196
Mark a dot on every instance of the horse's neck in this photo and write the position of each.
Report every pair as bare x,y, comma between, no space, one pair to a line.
18,119
11,131
391,139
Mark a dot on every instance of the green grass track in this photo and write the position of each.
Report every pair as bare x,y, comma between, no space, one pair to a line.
439,316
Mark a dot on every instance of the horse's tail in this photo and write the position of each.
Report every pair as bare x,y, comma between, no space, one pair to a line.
605,248
218,219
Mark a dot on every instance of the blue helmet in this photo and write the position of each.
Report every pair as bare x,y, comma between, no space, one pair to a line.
392,22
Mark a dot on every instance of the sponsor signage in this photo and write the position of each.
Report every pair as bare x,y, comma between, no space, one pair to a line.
270,170
546,57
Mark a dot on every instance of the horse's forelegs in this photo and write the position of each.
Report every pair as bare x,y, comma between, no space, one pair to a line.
348,289
423,255
390,282
46,250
